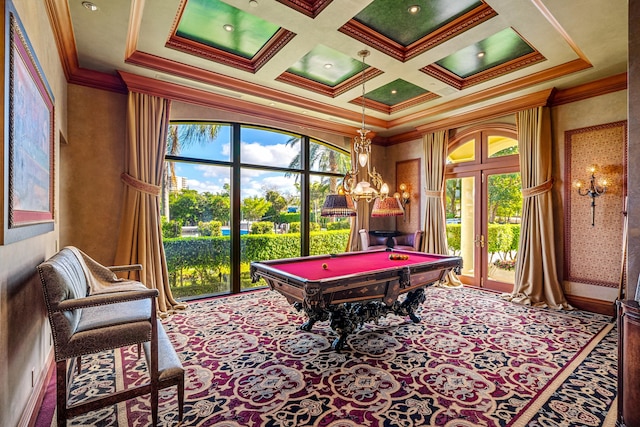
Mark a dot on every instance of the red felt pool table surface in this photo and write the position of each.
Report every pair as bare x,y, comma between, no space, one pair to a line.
348,264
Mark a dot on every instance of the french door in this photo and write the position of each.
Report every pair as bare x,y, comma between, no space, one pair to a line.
483,205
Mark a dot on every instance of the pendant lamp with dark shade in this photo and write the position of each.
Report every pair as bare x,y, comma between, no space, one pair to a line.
389,206
338,205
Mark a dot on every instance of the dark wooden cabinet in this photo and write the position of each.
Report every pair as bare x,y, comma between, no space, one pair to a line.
628,363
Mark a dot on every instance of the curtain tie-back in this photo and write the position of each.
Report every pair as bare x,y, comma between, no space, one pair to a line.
538,189
141,186
429,193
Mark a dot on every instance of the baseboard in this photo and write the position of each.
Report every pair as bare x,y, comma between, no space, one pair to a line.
591,304
30,413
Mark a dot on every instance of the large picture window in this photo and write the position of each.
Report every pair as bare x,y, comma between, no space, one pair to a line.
235,194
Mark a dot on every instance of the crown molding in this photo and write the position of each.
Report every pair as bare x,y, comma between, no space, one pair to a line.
589,90
500,109
176,92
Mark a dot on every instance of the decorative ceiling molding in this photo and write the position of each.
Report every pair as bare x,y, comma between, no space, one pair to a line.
368,36
324,89
390,109
277,42
311,8
588,90
495,91
225,82
189,95
60,20
556,25
133,31
591,89
446,76
490,112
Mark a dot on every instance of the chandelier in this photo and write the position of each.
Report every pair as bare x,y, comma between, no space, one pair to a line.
372,186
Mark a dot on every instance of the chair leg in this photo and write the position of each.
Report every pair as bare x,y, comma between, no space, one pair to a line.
79,364
180,397
154,404
61,392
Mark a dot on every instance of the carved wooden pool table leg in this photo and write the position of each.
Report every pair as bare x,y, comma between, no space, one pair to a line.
410,305
314,314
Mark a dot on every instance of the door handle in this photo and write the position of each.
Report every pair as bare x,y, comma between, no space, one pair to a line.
479,241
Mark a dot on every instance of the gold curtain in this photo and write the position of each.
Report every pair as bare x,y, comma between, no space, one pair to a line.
140,239
435,231
536,278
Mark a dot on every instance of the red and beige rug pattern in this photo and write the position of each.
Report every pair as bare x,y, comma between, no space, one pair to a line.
474,360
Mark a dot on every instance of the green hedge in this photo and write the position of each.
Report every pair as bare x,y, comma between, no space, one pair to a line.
501,238
209,257
294,227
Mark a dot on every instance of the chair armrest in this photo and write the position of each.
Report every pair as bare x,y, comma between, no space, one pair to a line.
105,299
132,267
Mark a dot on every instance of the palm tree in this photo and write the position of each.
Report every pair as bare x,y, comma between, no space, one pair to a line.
325,157
183,135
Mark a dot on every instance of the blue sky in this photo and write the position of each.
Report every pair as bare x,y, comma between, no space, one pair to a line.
258,147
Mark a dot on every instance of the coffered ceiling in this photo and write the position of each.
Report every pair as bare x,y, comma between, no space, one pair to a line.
428,60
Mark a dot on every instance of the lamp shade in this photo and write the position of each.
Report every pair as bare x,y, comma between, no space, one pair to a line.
338,205
390,206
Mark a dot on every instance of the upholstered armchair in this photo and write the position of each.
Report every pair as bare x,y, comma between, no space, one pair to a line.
371,243
408,242
90,310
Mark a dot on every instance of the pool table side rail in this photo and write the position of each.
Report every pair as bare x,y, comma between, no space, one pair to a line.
384,284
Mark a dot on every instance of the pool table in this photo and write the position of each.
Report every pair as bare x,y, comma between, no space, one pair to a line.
352,288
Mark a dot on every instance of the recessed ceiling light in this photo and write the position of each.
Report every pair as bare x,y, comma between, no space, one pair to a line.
228,27
253,3
414,9
327,66
480,54
88,5
393,91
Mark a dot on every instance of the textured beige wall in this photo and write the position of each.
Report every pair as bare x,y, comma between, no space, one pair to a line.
598,110
24,332
92,160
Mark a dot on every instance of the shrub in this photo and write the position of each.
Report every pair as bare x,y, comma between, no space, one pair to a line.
294,227
453,237
262,227
211,228
289,217
339,225
171,229
499,239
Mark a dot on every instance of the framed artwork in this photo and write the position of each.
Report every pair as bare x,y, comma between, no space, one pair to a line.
29,139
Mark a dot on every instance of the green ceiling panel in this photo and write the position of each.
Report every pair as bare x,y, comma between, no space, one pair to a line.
392,19
498,49
204,20
404,92
314,66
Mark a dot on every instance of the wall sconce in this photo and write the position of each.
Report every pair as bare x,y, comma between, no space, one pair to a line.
403,196
594,190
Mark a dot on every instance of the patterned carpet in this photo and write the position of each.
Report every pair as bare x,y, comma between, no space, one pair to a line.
474,360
